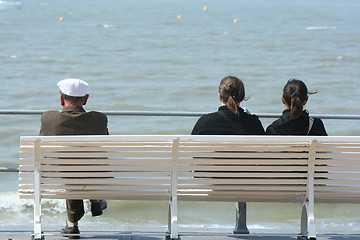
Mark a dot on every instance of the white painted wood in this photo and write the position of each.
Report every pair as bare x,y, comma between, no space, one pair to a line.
198,168
173,218
310,197
37,190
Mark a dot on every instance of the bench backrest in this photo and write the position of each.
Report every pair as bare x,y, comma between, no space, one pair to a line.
339,158
211,168
246,170
100,167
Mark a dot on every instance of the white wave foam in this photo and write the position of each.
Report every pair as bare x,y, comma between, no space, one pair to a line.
316,28
107,25
9,4
103,25
11,203
8,56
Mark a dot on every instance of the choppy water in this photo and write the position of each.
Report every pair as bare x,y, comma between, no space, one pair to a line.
137,55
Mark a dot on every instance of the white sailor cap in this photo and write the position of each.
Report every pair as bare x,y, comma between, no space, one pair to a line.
73,87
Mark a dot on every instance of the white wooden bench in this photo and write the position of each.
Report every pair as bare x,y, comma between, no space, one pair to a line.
191,168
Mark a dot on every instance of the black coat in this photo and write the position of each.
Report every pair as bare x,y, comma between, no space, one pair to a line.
299,126
215,124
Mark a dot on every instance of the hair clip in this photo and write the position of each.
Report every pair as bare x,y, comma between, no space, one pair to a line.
295,93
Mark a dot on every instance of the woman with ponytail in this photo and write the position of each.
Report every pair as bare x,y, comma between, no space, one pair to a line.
230,119
295,120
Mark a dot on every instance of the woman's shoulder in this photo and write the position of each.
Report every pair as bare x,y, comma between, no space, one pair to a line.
203,123
245,113
209,116
252,123
318,128
250,118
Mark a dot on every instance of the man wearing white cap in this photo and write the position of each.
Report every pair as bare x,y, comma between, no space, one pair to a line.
74,120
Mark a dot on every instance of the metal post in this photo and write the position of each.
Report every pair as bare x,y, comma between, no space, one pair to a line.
241,227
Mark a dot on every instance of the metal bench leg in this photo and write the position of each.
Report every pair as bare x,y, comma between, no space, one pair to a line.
37,213
37,222
173,220
241,227
37,191
308,230
173,205
308,211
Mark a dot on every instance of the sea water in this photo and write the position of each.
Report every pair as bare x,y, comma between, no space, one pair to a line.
170,55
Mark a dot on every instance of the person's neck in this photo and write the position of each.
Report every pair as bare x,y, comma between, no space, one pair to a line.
72,105
224,104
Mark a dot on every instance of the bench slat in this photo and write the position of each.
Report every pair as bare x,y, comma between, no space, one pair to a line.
343,162
108,197
344,175
332,155
89,181
246,196
270,181
338,144
245,174
244,148
74,187
182,190
342,182
105,154
26,168
100,148
257,188
97,174
330,190
274,155
27,154
109,161
218,168
338,195
102,195
237,141
194,183
244,161
68,168
337,168
87,161
95,143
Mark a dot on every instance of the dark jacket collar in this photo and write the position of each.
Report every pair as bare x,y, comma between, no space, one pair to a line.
286,114
225,108
73,109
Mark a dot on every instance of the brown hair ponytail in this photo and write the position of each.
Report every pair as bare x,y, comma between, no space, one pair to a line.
232,92
295,95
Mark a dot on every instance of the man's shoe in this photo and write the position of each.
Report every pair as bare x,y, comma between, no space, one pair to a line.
71,230
98,207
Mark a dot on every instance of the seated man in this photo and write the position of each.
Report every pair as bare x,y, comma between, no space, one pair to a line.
74,120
